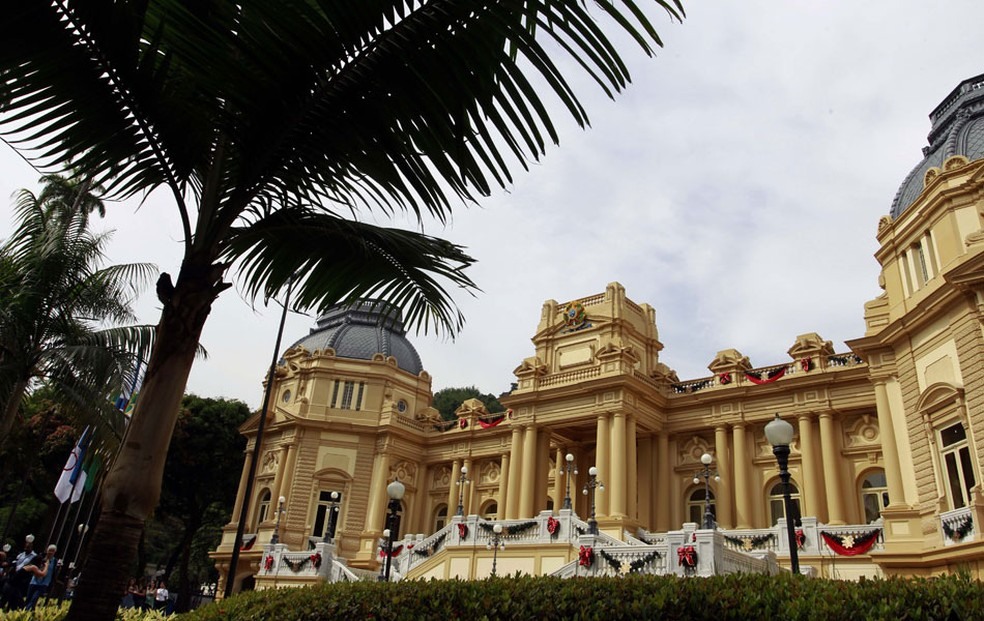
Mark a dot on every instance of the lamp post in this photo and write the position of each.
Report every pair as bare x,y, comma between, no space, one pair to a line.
332,518
706,474
589,491
258,445
280,512
779,433
462,481
569,469
395,490
495,544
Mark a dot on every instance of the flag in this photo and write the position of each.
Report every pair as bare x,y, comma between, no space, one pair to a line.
128,396
90,472
71,483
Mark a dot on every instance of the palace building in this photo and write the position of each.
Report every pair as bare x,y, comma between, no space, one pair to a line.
886,462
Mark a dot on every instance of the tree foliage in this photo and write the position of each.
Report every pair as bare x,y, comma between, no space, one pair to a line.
201,476
64,318
447,400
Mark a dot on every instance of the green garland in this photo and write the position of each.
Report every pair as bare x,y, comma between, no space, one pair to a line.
962,530
749,542
511,529
434,547
634,566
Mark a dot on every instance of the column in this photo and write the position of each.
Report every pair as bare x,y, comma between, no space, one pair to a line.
811,492
376,512
278,481
453,488
645,482
421,522
663,481
602,452
243,478
632,469
744,510
560,479
527,483
723,498
515,474
469,497
541,489
890,449
617,494
503,487
828,443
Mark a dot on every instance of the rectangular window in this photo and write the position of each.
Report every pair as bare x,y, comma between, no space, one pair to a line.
347,395
957,465
934,264
358,398
334,395
921,266
324,523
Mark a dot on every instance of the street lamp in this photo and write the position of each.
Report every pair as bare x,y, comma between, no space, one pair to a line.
276,531
462,481
706,473
569,469
779,433
332,517
395,490
589,490
495,544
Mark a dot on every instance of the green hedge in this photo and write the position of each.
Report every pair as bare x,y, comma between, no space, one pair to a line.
57,611
606,599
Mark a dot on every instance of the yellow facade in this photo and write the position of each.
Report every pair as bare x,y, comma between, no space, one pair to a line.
889,428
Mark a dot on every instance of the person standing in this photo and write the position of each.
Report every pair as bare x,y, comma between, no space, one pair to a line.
160,599
15,589
43,573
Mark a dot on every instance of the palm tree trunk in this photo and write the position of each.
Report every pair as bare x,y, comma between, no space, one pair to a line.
133,485
10,409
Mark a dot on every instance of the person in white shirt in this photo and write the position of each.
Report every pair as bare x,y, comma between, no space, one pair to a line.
160,599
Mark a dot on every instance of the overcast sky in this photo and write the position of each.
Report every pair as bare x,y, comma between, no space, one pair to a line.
736,187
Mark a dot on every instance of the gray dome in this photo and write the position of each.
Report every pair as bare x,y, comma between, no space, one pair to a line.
362,330
958,129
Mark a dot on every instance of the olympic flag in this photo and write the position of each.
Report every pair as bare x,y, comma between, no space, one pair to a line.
71,483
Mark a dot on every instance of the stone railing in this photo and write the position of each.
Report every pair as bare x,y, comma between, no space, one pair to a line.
569,376
958,526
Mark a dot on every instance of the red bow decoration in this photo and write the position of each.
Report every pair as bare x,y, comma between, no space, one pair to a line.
724,378
800,538
553,525
806,364
463,423
268,562
463,530
687,556
316,560
585,556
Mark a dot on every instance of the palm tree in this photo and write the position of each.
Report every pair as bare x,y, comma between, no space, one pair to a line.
64,320
276,126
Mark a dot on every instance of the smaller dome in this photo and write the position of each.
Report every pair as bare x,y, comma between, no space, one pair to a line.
362,330
958,129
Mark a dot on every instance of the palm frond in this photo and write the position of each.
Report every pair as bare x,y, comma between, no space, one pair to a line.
338,260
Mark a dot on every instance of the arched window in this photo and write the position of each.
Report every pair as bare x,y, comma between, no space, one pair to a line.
874,495
491,510
776,506
695,506
263,508
440,517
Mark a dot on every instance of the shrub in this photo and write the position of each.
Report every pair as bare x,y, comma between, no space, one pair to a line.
608,599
